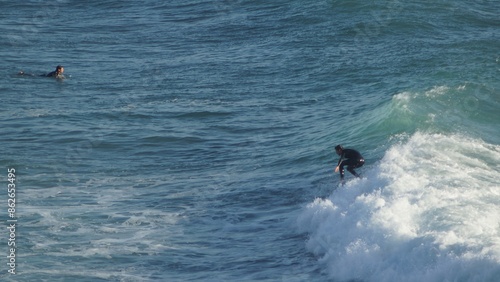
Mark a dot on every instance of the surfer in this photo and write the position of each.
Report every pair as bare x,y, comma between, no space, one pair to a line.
349,157
58,73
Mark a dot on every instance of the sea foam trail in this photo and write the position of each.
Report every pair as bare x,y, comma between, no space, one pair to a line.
428,211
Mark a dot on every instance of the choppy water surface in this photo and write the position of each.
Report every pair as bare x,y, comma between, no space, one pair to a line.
193,141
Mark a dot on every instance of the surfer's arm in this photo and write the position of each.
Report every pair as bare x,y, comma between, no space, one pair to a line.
341,159
338,164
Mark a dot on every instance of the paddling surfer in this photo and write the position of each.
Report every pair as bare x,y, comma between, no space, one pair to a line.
58,73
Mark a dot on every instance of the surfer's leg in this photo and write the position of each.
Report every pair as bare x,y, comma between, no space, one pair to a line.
354,164
352,171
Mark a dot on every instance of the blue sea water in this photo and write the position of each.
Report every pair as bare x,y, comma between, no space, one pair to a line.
193,140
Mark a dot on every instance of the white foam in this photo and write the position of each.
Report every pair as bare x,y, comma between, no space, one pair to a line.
428,211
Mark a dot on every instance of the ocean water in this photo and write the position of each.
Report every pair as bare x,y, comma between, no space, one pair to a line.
193,140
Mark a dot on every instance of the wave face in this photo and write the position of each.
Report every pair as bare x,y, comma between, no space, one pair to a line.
427,210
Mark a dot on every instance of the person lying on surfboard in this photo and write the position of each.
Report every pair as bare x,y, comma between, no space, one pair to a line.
58,73
350,158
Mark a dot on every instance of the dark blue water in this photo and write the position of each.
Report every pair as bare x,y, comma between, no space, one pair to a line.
193,140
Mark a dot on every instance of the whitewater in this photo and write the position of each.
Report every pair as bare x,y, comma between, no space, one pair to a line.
428,211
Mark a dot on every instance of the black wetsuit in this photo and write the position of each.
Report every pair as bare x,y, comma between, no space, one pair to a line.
352,159
53,74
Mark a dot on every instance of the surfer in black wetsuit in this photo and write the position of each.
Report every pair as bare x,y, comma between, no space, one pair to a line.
349,157
58,73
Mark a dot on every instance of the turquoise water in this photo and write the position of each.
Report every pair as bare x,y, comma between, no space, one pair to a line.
193,140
